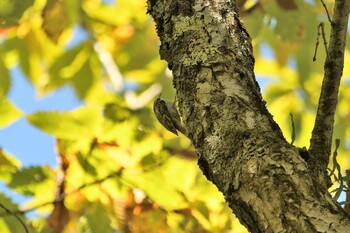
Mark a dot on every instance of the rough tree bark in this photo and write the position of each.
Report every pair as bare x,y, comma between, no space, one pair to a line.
269,184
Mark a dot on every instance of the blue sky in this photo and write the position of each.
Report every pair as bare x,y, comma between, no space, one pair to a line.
28,144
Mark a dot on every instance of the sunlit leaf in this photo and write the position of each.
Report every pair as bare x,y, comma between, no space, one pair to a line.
9,113
90,118
104,13
78,124
83,80
72,9
160,190
8,165
271,69
61,125
98,164
120,14
184,180
16,53
123,33
92,193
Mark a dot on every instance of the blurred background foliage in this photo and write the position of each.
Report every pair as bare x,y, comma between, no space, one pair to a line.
118,170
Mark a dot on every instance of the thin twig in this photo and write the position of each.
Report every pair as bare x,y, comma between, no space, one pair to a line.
110,66
293,129
321,28
336,167
335,162
325,7
15,215
347,200
317,43
324,40
64,195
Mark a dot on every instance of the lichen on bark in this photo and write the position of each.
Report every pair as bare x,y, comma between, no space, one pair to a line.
241,149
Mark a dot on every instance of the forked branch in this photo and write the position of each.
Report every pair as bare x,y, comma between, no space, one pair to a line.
321,140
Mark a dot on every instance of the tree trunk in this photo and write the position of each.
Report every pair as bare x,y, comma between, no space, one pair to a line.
267,182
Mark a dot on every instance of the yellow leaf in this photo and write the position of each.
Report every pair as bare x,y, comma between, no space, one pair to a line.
8,112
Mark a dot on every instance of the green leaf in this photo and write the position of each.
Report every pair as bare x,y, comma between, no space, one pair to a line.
8,222
275,91
92,193
58,124
54,19
16,52
33,179
12,10
90,118
67,65
254,23
73,10
8,166
98,163
9,113
5,79
116,113
205,191
82,123
86,165
160,189
106,14
83,80
98,220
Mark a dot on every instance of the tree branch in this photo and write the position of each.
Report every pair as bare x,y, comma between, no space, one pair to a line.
241,149
15,215
325,8
347,199
62,196
321,140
